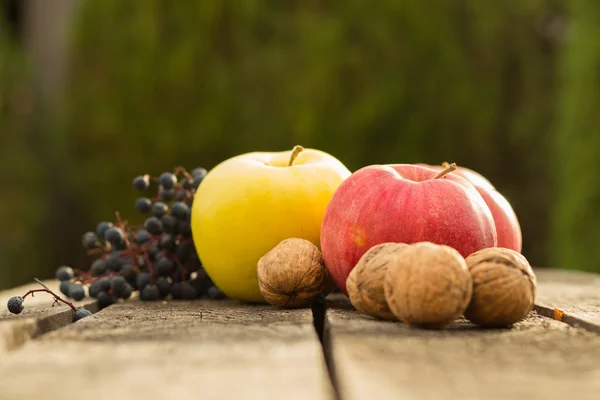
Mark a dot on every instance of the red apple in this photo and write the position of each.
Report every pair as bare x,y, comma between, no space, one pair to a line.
507,223
405,204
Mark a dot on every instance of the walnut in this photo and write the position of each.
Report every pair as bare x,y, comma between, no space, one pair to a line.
292,274
430,285
503,287
365,282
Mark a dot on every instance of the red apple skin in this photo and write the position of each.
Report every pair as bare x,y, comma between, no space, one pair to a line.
507,223
402,203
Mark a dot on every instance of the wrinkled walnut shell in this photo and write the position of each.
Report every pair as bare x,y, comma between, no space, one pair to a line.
504,286
430,285
292,274
365,282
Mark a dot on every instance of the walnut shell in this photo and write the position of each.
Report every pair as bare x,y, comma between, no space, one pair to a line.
365,282
430,285
292,274
504,287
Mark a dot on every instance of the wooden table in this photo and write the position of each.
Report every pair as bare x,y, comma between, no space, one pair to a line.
228,350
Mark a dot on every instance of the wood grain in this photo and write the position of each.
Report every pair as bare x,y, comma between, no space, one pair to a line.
537,359
569,296
180,350
37,318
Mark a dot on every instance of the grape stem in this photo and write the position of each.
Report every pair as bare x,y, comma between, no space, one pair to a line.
46,289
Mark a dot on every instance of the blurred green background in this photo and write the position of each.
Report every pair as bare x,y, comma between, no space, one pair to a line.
93,93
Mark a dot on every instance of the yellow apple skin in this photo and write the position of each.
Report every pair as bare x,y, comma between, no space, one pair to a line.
248,204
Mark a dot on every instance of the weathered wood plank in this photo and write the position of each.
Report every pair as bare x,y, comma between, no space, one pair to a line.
37,318
537,359
574,295
180,350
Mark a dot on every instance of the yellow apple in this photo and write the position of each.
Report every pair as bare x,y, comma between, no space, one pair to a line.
248,204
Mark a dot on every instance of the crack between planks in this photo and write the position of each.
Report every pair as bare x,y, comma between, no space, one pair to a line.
566,318
319,312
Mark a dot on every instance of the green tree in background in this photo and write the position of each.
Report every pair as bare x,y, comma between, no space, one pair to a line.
23,201
576,210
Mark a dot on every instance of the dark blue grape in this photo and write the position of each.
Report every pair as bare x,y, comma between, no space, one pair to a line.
142,236
184,228
141,182
143,205
215,294
180,210
181,195
15,304
80,314
164,267
159,209
154,226
98,267
64,287
169,223
149,293
164,287
102,227
90,241
177,291
199,172
76,292
167,180
64,273
143,280
105,299
127,292
114,236
200,285
166,242
187,291
114,262
118,284
167,194
184,251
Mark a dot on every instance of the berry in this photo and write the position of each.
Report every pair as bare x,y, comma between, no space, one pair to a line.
184,251
98,267
181,195
114,262
114,236
164,267
101,285
141,182
142,236
143,205
200,285
105,299
184,228
199,172
167,194
64,273
166,242
169,223
64,287
177,291
167,180
214,293
180,210
90,241
187,291
149,293
102,227
143,280
15,304
76,292
164,287
127,293
154,226
118,285
81,313
159,209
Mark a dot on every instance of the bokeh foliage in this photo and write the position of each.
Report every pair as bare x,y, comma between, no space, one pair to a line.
193,83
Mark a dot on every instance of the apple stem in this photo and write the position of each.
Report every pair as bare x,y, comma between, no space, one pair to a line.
449,168
295,151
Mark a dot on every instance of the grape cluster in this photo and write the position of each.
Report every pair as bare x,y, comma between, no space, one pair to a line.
157,259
